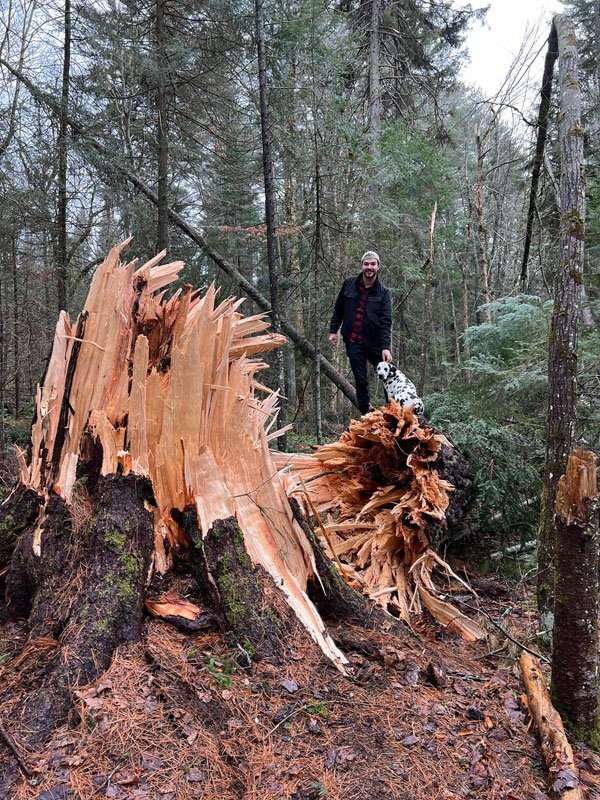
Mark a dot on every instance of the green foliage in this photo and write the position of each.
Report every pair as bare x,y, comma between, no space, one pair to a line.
317,709
220,670
494,411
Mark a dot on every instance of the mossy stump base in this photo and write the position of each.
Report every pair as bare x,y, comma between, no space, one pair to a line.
84,589
252,609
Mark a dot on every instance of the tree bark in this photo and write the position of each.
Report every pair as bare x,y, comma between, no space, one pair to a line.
267,160
542,128
84,588
575,635
427,306
374,97
318,245
481,236
16,332
63,133
562,356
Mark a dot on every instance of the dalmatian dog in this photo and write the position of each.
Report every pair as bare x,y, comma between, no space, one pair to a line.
398,386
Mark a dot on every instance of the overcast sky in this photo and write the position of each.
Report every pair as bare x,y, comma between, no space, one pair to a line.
493,45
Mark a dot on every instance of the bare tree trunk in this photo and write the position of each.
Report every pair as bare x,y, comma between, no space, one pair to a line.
61,246
162,128
542,127
575,635
16,353
2,376
374,96
272,258
562,356
481,237
427,305
317,255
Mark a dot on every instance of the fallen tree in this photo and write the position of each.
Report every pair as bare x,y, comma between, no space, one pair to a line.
150,450
398,488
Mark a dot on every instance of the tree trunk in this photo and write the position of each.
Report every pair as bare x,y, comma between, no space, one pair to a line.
162,128
481,236
575,636
562,356
16,331
542,128
272,254
63,132
374,98
2,375
87,618
427,332
318,247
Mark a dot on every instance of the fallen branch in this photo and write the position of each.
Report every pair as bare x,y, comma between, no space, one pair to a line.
502,630
522,547
558,753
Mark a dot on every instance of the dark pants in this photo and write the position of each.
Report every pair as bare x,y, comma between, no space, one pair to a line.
359,354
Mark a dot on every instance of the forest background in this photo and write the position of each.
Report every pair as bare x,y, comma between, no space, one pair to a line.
370,129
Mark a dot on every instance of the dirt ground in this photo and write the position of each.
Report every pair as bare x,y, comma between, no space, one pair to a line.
182,716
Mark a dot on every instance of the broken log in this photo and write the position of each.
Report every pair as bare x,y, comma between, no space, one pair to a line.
558,753
384,488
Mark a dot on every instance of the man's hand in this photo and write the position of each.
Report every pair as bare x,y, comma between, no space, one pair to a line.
386,355
333,338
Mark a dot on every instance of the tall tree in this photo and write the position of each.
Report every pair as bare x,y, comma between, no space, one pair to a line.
269,184
63,134
562,354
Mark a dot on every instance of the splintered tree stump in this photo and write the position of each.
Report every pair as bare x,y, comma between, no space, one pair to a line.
390,490
334,598
149,446
85,589
575,660
150,449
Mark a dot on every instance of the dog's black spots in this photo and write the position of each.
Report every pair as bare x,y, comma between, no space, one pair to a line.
398,386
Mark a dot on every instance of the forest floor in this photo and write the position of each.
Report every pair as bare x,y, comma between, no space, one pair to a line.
180,716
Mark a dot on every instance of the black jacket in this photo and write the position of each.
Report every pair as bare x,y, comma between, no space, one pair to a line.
377,329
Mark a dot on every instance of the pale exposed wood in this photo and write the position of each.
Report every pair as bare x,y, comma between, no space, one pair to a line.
171,604
577,487
167,388
380,533
555,746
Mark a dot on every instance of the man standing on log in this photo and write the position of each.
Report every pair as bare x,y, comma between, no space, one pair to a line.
364,310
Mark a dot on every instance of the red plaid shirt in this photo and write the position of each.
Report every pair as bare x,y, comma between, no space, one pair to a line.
359,316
